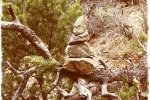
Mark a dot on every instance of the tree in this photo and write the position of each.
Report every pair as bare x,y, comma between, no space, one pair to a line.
54,21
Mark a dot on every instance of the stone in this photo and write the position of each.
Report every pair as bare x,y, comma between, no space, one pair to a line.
75,40
80,57
80,32
79,39
81,50
82,66
80,26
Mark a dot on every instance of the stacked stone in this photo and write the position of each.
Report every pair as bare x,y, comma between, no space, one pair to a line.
80,56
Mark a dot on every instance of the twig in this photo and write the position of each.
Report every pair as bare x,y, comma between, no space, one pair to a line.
22,97
139,40
65,93
14,17
54,84
103,63
13,69
141,44
130,62
76,96
137,96
57,76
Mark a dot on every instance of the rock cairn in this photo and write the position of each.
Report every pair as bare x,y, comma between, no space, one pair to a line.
81,58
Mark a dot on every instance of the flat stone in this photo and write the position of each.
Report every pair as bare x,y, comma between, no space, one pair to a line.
83,66
81,50
78,39
80,25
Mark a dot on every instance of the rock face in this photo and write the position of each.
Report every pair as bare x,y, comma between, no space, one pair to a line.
80,56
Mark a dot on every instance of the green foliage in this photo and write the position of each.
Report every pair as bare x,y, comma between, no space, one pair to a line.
135,45
143,37
5,4
39,61
52,21
127,92
128,89
10,83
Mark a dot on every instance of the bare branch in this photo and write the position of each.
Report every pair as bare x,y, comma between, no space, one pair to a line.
54,84
13,69
57,76
29,35
93,89
83,89
103,63
23,83
140,42
129,62
141,45
65,93
137,96
14,17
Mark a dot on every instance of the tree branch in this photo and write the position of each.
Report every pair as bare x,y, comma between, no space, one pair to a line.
13,69
14,17
93,89
23,83
29,34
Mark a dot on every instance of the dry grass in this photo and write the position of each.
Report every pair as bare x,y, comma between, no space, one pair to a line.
116,35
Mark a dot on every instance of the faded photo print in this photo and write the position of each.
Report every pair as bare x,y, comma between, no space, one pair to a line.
74,50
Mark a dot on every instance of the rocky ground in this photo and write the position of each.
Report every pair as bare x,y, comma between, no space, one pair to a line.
119,32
